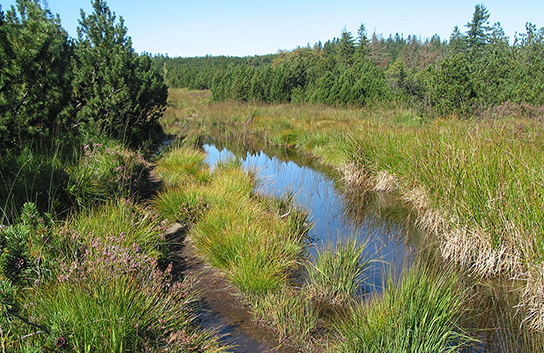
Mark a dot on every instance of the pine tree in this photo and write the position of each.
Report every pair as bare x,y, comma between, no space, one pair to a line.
117,92
34,76
478,29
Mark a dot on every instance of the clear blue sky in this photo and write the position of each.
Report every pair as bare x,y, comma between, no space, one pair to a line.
255,27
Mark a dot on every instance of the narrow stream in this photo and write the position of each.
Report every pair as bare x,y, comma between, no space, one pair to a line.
381,220
334,217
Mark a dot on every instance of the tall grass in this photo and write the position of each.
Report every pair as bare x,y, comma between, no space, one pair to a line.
106,169
338,272
182,165
66,178
420,313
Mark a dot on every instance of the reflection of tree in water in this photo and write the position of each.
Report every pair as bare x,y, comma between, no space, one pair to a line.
378,210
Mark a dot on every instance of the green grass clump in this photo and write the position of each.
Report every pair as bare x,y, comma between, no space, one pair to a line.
255,248
337,273
183,205
103,289
291,313
182,165
252,241
420,313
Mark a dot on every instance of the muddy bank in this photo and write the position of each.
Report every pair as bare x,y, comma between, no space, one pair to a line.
221,307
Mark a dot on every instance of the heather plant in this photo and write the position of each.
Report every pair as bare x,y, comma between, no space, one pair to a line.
105,292
119,221
139,307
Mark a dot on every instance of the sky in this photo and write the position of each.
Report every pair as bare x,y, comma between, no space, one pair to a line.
181,28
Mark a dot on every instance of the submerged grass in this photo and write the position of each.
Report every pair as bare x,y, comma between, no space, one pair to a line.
291,312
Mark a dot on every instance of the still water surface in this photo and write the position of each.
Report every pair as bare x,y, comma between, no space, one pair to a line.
382,221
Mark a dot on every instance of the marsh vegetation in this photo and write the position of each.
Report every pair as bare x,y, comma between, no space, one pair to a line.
87,263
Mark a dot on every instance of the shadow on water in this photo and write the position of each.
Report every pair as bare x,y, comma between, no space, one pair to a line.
381,220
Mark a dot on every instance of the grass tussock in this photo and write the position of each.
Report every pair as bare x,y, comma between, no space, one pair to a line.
420,313
337,273
182,165
121,221
291,313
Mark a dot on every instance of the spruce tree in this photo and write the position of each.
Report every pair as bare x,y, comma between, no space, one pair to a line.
478,29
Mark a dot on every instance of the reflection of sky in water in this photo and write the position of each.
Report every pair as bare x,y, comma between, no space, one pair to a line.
316,193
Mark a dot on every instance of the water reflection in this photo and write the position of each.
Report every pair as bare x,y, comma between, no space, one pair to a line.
386,224
378,219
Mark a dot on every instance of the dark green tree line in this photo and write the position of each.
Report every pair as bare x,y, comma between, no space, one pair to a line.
476,69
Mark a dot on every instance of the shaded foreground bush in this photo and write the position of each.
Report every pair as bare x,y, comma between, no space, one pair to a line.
79,177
